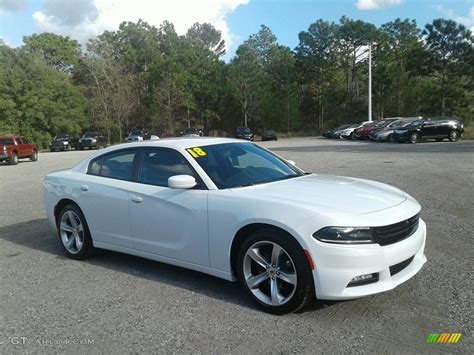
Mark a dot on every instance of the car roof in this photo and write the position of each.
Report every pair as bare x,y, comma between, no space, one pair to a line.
181,142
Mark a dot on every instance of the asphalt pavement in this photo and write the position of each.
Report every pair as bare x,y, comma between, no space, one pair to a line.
124,304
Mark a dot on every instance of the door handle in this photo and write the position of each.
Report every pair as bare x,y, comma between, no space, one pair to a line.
85,188
136,199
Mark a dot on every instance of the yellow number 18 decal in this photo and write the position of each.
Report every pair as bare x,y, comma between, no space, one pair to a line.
196,152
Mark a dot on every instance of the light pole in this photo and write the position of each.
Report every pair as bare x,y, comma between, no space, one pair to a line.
370,83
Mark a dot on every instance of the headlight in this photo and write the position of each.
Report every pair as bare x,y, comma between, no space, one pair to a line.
345,235
93,140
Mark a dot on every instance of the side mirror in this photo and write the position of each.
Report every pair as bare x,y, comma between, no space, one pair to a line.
181,182
291,162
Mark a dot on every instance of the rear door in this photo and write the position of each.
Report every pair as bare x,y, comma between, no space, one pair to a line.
103,195
164,221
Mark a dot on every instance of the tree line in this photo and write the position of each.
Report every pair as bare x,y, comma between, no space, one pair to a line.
142,76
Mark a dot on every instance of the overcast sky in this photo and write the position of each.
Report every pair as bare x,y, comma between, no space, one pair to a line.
237,19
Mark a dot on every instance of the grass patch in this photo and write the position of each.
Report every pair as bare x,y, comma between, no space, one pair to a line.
469,133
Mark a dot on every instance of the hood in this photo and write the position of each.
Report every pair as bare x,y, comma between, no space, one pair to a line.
330,193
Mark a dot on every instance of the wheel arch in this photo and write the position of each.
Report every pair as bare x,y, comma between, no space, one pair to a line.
61,204
248,229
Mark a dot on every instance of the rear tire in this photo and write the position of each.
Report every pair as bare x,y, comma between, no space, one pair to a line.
34,156
414,138
453,136
73,233
274,272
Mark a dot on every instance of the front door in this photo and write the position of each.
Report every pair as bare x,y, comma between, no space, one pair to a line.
168,222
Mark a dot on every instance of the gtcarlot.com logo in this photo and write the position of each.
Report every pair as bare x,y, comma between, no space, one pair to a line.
19,340
443,338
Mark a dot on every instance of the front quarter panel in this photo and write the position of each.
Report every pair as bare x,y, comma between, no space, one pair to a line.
230,211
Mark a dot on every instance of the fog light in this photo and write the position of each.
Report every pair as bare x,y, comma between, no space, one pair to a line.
364,279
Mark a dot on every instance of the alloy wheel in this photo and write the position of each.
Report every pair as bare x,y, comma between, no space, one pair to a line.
453,136
269,273
72,232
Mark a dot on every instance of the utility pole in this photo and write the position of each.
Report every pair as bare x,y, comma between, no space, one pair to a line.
370,82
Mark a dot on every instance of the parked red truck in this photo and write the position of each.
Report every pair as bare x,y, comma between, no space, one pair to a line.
13,148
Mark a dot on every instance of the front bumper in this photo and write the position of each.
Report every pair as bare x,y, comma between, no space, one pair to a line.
87,144
336,265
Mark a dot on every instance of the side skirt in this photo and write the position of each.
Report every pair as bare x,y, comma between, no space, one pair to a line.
184,264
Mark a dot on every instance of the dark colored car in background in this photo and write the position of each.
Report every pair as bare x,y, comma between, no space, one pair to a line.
437,128
63,142
244,133
92,140
386,134
335,132
269,135
363,133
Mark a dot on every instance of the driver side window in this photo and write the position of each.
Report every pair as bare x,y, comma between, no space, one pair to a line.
158,165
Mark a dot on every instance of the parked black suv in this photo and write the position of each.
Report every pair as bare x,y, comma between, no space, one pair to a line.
437,128
244,133
63,142
92,140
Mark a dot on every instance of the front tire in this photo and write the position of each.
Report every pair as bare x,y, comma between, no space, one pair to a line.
453,136
14,159
274,272
74,233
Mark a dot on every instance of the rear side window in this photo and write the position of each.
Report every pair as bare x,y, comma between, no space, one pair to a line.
117,165
158,165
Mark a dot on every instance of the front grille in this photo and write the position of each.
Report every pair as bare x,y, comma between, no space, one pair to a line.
396,232
395,269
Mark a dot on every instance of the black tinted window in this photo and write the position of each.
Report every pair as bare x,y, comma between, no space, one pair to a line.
6,141
115,165
241,164
158,165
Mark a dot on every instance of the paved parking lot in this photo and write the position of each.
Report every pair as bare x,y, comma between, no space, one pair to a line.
120,303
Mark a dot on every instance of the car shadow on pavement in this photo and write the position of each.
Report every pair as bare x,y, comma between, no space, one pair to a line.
38,235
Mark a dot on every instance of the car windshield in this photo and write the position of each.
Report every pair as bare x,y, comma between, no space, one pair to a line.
400,123
90,135
241,164
416,123
6,141
243,130
382,123
136,133
62,136
190,131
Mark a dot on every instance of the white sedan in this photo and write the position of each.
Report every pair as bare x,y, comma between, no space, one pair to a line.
235,210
